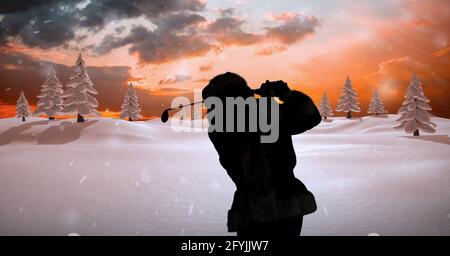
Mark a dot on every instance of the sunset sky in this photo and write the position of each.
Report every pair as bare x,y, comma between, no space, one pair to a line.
169,48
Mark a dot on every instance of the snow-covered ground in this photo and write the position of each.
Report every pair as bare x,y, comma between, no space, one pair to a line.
113,177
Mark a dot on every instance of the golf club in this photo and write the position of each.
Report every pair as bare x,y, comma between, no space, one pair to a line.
165,113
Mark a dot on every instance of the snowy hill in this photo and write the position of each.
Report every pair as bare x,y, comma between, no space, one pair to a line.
113,177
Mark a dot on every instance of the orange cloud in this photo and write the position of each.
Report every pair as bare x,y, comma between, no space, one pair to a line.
271,50
207,67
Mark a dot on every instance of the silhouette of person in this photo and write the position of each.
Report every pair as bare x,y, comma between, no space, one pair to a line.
269,200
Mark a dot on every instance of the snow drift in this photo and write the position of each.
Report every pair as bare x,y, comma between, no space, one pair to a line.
113,177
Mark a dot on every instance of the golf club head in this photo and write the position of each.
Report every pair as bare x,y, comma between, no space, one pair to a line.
165,116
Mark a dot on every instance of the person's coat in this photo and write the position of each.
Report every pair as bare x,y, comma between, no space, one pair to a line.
266,188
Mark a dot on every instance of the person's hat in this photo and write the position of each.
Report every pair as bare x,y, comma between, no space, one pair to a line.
227,85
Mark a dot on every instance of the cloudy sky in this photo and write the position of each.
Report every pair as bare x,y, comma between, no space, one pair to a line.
170,47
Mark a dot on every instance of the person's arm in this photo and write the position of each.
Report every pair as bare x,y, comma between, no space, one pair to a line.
298,113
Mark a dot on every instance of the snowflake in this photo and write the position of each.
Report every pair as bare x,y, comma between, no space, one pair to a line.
191,208
325,210
83,179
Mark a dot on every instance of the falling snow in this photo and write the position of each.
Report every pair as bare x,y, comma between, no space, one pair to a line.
191,208
83,179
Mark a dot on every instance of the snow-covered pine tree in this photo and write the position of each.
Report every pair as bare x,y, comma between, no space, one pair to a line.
325,108
22,107
376,105
50,100
130,106
348,101
414,115
78,97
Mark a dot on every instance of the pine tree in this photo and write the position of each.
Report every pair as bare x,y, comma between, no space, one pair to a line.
414,115
50,100
348,101
130,106
325,108
22,107
376,105
78,97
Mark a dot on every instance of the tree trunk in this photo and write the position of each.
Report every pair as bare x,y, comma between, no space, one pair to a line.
129,119
80,118
23,118
349,115
416,132
51,118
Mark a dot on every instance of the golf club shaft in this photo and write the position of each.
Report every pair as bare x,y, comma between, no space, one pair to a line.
199,102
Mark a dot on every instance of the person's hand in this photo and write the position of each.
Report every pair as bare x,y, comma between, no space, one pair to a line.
278,89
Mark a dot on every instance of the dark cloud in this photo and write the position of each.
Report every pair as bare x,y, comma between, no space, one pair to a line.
227,12
183,35
47,24
157,46
19,71
175,79
44,26
99,12
228,30
14,6
294,27
180,35
179,30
